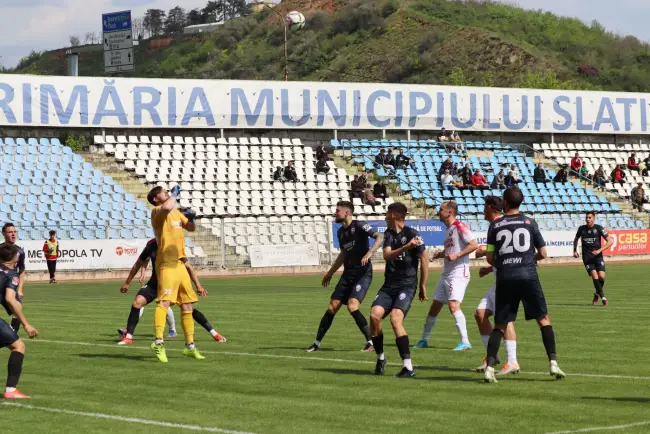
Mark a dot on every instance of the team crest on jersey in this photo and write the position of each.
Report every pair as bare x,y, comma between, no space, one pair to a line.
402,296
403,240
352,230
15,280
527,222
358,288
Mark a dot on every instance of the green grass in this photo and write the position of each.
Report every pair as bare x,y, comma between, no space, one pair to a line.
261,381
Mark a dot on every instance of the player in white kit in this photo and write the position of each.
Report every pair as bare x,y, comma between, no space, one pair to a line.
492,211
459,243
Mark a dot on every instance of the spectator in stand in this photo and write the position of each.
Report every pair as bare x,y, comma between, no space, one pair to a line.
458,181
647,166
379,190
539,175
321,152
402,161
576,164
631,162
446,165
499,181
447,179
479,181
368,197
390,158
466,174
52,253
381,160
278,175
322,166
515,173
443,136
455,144
584,172
455,137
561,176
356,188
510,179
599,177
455,170
637,195
290,172
618,175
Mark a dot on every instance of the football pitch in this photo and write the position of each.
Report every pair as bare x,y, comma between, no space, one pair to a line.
261,380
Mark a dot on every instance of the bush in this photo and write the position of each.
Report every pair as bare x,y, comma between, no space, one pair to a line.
390,7
75,143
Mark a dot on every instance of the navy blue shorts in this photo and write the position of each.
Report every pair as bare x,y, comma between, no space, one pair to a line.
509,293
353,285
148,292
596,264
396,296
7,335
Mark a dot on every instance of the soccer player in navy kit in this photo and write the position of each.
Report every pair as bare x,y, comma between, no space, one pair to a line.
10,235
592,253
514,245
403,252
353,236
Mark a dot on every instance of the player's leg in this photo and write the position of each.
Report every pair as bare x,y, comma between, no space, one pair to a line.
171,324
186,298
360,289
598,287
439,299
457,288
9,339
510,342
326,320
203,322
382,304
535,307
507,299
139,302
601,277
402,342
167,294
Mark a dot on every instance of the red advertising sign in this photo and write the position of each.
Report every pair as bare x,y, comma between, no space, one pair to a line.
629,242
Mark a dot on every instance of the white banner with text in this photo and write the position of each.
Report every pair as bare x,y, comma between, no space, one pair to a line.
559,244
286,255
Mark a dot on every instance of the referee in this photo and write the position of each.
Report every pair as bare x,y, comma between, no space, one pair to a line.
52,252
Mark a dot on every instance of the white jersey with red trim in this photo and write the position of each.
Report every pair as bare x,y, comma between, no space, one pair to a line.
457,236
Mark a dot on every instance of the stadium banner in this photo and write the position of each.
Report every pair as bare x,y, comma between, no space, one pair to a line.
559,244
431,231
30,100
629,242
85,254
284,255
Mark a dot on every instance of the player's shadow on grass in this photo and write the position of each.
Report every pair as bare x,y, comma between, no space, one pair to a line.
339,371
117,356
302,349
619,399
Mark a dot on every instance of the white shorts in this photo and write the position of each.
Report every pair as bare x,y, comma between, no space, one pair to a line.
451,288
487,302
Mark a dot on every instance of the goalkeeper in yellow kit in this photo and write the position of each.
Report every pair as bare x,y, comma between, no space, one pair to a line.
174,283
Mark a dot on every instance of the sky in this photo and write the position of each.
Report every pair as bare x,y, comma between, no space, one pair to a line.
47,24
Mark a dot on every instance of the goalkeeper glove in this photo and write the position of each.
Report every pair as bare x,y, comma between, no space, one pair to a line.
175,191
190,214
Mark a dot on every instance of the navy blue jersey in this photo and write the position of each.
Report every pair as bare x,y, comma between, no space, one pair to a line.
150,251
514,240
20,265
591,240
354,241
9,281
404,266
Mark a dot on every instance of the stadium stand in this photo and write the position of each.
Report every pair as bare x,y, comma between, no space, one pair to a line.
555,206
45,186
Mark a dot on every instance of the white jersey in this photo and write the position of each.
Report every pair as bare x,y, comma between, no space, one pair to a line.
457,236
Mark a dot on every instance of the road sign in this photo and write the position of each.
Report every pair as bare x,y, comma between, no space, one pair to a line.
118,42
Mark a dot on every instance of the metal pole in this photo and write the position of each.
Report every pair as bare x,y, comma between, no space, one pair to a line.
223,244
286,54
330,246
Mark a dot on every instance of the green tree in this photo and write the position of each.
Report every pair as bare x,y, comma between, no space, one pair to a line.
457,77
154,21
546,80
175,21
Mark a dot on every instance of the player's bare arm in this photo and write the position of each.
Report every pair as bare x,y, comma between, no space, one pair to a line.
575,246
134,270
390,254
471,247
424,274
480,253
143,271
484,271
379,241
608,243
541,254
334,268
489,256
17,309
21,282
195,279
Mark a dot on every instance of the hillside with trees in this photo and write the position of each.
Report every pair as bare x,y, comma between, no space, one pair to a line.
456,42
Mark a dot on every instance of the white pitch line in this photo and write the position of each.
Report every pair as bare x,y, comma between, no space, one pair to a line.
320,359
126,419
603,428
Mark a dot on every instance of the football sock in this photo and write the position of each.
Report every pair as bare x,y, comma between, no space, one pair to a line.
403,347
485,339
171,321
159,318
202,320
324,326
141,312
362,323
602,285
493,347
188,326
15,324
461,326
511,351
132,322
598,287
378,342
428,326
548,336
14,368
